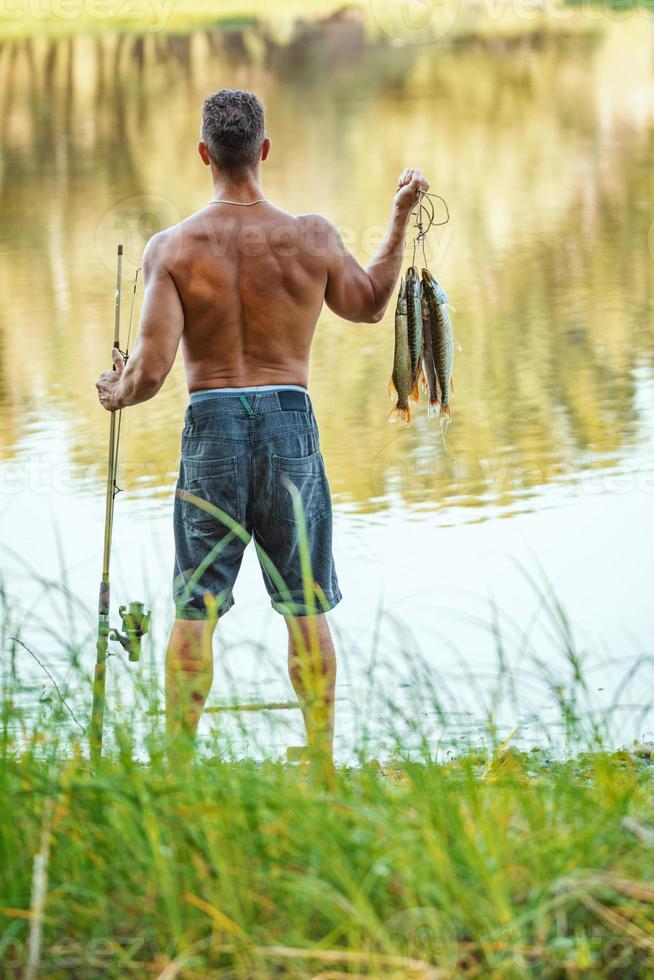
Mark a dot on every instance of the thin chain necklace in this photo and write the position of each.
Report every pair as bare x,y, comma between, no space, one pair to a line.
242,204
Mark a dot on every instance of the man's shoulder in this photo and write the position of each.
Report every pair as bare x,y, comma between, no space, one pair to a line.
160,247
315,221
164,246
319,232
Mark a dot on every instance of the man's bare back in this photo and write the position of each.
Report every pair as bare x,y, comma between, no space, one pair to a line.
251,280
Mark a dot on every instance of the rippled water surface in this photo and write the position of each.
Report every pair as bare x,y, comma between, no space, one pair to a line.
545,154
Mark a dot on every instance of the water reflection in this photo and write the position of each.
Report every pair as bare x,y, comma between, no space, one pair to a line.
546,158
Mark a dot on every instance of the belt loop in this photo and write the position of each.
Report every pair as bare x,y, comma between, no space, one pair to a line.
246,404
189,414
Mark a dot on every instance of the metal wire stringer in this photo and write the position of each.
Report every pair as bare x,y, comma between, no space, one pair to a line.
425,215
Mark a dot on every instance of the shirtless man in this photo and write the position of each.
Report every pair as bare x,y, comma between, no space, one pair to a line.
241,284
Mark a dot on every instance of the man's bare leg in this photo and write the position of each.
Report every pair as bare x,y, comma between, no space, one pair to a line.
312,669
189,674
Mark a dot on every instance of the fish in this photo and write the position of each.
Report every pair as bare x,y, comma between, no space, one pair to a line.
442,341
415,327
428,371
401,381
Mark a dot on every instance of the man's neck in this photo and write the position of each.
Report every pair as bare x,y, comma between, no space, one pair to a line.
244,189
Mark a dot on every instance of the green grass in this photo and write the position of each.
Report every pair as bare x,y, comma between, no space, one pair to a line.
481,862
484,867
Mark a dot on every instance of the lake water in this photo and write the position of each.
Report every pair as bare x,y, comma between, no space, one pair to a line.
545,154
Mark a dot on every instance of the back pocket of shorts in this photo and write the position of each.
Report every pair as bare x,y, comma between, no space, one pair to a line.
211,480
307,474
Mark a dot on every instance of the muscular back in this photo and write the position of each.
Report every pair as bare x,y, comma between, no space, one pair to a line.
241,288
252,282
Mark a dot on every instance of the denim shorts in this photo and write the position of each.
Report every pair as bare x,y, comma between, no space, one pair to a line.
251,466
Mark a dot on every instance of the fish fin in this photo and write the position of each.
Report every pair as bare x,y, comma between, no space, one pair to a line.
415,393
452,385
392,390
453,308
459,347
445,413
400,413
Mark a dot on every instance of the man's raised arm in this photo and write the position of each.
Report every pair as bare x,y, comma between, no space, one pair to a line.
159,333
362,295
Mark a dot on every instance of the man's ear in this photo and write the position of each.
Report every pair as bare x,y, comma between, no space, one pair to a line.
265,148
204,153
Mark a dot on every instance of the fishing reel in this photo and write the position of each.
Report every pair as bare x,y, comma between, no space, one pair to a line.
136,623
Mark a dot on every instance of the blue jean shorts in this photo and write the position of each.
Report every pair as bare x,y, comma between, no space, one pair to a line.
251,466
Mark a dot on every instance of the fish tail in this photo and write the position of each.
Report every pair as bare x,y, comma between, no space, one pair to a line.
400,412
415,393
445,413
434,408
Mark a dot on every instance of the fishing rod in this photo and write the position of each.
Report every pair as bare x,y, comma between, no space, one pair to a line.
135,620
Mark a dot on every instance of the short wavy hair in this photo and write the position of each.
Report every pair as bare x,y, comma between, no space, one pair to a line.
233,129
